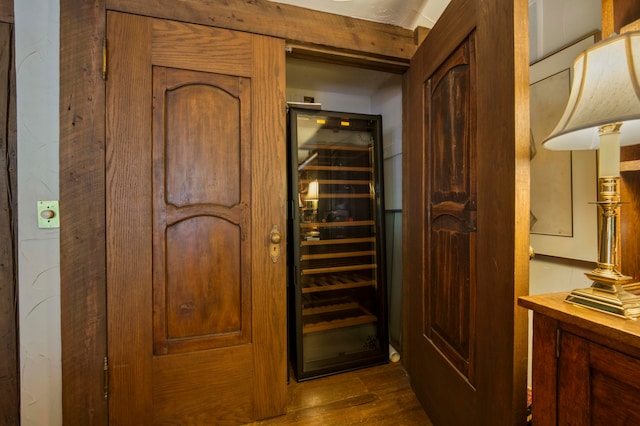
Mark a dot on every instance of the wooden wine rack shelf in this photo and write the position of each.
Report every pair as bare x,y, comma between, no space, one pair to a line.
334,147
336,224
335,282
344,195
336,306
335,182
338,255
339,169
336,269
305,243
336,315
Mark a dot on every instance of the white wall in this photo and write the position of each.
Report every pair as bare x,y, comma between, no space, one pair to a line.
387,101
563,21
554,24
333,100
37,47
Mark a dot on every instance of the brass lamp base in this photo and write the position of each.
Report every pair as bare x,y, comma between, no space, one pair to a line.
612,299
611,291
608,276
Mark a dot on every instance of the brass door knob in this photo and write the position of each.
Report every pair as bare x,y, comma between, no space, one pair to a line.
274,248
276,237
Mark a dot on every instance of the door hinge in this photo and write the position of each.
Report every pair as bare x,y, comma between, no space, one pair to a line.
104,58
105,372
557,343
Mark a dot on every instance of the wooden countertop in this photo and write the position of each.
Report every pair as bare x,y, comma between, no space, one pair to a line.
552,305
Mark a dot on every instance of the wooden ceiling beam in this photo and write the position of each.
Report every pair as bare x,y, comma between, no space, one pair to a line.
382,42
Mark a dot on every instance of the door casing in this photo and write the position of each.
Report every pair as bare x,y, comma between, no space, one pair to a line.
9,327
82,185
82,152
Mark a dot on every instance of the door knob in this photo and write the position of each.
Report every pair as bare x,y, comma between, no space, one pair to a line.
276,238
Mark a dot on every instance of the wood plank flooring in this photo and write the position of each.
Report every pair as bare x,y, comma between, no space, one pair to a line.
373,396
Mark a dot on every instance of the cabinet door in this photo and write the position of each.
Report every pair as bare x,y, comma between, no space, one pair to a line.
338,242
596,385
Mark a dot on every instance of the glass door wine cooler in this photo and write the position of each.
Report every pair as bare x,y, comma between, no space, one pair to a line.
337,293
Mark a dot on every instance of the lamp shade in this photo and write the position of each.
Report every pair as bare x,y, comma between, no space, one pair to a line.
605,90
313,192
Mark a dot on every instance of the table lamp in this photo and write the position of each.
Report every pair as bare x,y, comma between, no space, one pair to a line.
603,112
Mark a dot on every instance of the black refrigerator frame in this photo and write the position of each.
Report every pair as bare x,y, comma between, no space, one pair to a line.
375,349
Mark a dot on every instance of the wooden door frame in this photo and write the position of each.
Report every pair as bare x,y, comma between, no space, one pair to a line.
9,327
82,135
82,150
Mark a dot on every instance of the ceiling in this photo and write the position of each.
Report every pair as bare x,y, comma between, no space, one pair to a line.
334,78
403,13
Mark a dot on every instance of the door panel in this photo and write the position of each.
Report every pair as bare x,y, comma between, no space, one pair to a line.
197,134
196,306
201,173
452,209
465,204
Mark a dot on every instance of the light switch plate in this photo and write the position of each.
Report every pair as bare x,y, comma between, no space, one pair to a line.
48,214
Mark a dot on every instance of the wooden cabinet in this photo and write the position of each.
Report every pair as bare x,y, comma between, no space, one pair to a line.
337,285
586,365
621,16
630,211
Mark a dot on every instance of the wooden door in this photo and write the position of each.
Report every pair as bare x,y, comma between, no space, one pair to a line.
466,204
196,180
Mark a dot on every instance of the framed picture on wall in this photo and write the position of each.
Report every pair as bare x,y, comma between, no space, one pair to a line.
563,183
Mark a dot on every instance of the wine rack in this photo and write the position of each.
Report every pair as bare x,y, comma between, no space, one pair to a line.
337,290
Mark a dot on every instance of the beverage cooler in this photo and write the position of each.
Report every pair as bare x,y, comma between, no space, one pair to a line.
336,283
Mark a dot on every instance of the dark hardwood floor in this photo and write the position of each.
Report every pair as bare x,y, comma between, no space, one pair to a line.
373,396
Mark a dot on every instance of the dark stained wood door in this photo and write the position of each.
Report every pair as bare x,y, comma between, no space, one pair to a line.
466,204
196,182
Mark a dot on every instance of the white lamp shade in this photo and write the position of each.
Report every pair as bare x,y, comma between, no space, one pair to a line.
313,192
605,90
